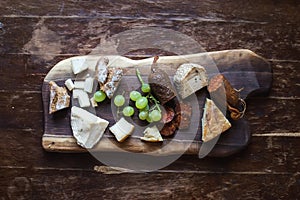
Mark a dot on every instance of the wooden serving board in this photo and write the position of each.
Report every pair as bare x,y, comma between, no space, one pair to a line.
243,68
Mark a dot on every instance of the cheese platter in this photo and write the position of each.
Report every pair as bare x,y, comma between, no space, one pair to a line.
119,119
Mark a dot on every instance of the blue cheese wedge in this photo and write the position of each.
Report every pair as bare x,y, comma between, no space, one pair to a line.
79,65
152,134
122,129
101,70
112,82
190,78
87,128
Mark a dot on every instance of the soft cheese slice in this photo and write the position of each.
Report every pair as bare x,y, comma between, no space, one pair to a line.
190,78
88,84
152,134
84,100
122,129
69,84
213,121
79,65
87,128
79,84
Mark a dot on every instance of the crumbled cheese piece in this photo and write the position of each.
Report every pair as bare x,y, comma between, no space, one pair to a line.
82,97
59,98
79,65
152,134
76,93
122,129
69,84
79,84
88,85
93,102
87,128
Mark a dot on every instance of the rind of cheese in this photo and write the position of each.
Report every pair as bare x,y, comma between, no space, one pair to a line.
69,84
87,128
79,65
59,98
122,129
213,121
79,84
88,84
152,134
190,78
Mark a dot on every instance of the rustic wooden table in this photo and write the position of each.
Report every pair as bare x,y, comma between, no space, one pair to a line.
35,35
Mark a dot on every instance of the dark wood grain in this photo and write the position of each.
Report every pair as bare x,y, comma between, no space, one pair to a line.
267,169
66,184
81,35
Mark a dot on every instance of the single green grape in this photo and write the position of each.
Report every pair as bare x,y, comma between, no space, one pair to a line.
119,100
141,102
155,115
134,95
143,115
145,109
99,96
145,87
128,111
149,119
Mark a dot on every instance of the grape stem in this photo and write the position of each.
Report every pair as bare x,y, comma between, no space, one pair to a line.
138,74
149,96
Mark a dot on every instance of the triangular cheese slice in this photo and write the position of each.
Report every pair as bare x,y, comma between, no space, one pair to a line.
151,134
213,121
87,127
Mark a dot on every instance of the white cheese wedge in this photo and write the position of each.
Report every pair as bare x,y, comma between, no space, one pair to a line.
190,78
87,128
152,134
79,84
93,102
122,129
213,121
88,85
79,65
69,84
